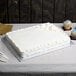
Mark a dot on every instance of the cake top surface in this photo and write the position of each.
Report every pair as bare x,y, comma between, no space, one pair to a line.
38,36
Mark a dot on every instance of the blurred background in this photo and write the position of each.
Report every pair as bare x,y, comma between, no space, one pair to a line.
37,11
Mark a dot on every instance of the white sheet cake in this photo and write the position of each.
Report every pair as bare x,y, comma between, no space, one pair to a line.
37,40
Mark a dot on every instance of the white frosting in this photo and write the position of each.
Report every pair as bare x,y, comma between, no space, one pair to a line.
67,22
36,39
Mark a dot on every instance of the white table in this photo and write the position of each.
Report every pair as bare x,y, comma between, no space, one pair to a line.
63,60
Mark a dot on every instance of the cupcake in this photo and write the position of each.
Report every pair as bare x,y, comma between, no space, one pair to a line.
73,34
67,25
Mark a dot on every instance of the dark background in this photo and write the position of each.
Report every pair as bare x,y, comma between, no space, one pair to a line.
37,11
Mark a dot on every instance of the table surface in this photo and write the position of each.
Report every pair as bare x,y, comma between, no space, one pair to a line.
56,61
